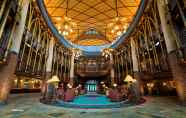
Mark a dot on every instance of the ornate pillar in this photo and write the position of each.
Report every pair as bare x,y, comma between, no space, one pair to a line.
8,70
112,68
48,68
50,56
171,41
136,69
72,67
107,52
75,54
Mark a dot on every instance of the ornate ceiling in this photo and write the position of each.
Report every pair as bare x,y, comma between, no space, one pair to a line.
91,14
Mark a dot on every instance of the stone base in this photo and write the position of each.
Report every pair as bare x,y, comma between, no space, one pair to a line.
44,85
71,82
7,76
137,76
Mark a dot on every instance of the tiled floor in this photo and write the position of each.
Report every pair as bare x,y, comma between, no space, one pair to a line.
28,106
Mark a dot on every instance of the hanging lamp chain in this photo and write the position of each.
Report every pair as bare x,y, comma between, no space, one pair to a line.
67,8
117,8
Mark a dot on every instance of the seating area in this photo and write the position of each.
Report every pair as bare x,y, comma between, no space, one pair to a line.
66,93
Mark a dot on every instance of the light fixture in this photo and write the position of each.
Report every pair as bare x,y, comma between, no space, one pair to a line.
119,33
157,43
112,31
129,78
69,85
58,18
118,25
102,82
106,52
67,26
77,52
53,79
115,85
59,27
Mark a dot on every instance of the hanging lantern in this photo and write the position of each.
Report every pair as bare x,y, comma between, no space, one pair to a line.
118,25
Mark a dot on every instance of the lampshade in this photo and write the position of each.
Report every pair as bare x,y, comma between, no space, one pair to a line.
129,78
53,79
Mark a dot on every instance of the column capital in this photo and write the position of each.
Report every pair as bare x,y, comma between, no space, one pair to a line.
76,52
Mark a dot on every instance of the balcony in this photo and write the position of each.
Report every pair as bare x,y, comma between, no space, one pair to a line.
93,69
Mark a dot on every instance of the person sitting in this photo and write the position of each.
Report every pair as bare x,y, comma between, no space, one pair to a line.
60,91
69,94
114,94
133,93
124,91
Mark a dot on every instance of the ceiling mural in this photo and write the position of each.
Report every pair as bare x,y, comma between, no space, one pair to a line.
109,18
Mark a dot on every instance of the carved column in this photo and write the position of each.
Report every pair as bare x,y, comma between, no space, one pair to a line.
137,76
48,68
112,68
72,68
170,40
7,71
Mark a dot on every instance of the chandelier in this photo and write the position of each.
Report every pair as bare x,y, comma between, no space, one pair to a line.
77,52
67,26
118,25
107,52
